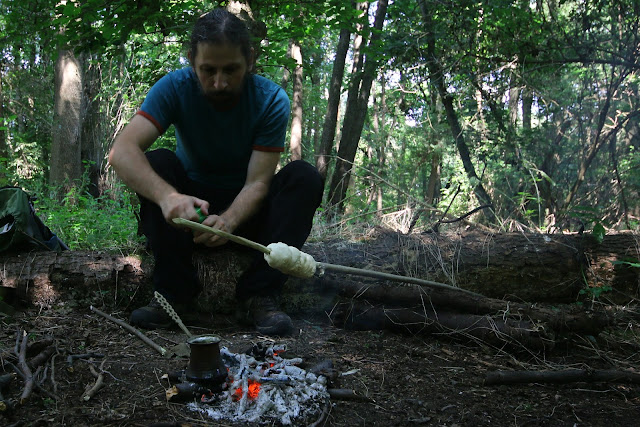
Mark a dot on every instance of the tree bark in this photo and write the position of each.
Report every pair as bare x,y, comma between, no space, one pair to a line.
42,278
3,133
333,102
92,148
527,103
296,108
355,115
502,267
66,161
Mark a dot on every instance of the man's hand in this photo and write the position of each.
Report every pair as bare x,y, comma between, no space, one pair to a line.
177,205
209,239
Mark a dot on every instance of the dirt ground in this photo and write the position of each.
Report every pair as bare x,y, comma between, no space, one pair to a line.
402,380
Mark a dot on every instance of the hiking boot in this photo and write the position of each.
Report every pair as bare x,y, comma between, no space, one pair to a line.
153,316
266,316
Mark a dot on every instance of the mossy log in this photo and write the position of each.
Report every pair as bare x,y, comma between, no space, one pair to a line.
507,267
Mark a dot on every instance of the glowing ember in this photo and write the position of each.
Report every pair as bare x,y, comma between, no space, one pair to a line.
253,389
266,389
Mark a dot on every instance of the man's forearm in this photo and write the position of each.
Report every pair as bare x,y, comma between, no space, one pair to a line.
134,169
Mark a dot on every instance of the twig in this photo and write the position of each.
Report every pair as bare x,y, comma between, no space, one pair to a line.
22,364
323,416
37,386
163,351
52,379
98,384
42,357
72,357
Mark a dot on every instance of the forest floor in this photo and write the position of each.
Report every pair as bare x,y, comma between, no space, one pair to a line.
403,380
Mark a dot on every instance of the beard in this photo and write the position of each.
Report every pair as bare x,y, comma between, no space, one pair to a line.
223,100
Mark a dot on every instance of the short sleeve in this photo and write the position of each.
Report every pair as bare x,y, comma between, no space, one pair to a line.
272,129
160,104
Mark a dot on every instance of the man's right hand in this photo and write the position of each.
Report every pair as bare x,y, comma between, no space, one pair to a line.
177,205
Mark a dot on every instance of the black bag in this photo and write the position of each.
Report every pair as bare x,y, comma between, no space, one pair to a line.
20,227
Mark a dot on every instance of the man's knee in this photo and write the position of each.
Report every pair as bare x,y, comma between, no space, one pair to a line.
161,159
303,172
166,164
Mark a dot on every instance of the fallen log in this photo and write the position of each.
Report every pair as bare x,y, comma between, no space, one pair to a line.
562,377
426,320
517,267
566,319
41,278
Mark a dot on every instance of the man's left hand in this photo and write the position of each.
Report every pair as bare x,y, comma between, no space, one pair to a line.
209,239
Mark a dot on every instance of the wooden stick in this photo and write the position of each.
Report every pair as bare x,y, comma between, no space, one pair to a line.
98,384
387,276
163,351
322,266
205,229
28,375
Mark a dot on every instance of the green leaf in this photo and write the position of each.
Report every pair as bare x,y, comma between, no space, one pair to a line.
631,264
598,232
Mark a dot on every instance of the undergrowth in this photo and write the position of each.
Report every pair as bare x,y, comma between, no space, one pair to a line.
83,222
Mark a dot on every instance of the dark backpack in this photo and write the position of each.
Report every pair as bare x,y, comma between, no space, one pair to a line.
20,227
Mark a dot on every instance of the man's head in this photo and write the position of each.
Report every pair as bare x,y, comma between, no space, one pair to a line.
222,56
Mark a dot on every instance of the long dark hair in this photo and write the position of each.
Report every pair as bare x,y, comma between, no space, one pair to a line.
221,26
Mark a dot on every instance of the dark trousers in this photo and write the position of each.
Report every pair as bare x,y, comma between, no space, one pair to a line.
285,216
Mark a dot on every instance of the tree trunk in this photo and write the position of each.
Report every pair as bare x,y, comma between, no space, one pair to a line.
3,133
355,115
333,102
514,99
527,102
66,161
433,185
296,109
601,137
92,149
516,267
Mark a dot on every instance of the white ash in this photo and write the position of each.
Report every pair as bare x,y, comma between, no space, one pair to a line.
288,394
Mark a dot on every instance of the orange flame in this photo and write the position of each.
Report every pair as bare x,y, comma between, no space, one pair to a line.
253,389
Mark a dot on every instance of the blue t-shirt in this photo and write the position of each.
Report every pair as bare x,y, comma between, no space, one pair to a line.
215,146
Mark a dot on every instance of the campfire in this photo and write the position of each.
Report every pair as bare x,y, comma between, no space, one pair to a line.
260,386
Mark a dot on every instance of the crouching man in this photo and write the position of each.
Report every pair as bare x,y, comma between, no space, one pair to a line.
230,130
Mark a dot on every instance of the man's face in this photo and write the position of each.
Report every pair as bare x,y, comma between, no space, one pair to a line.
221,70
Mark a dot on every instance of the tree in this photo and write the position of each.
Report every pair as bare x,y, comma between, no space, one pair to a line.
296,108
355,114
66,147
436,74
333,102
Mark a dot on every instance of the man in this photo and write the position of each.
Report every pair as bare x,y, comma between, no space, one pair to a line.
230,130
